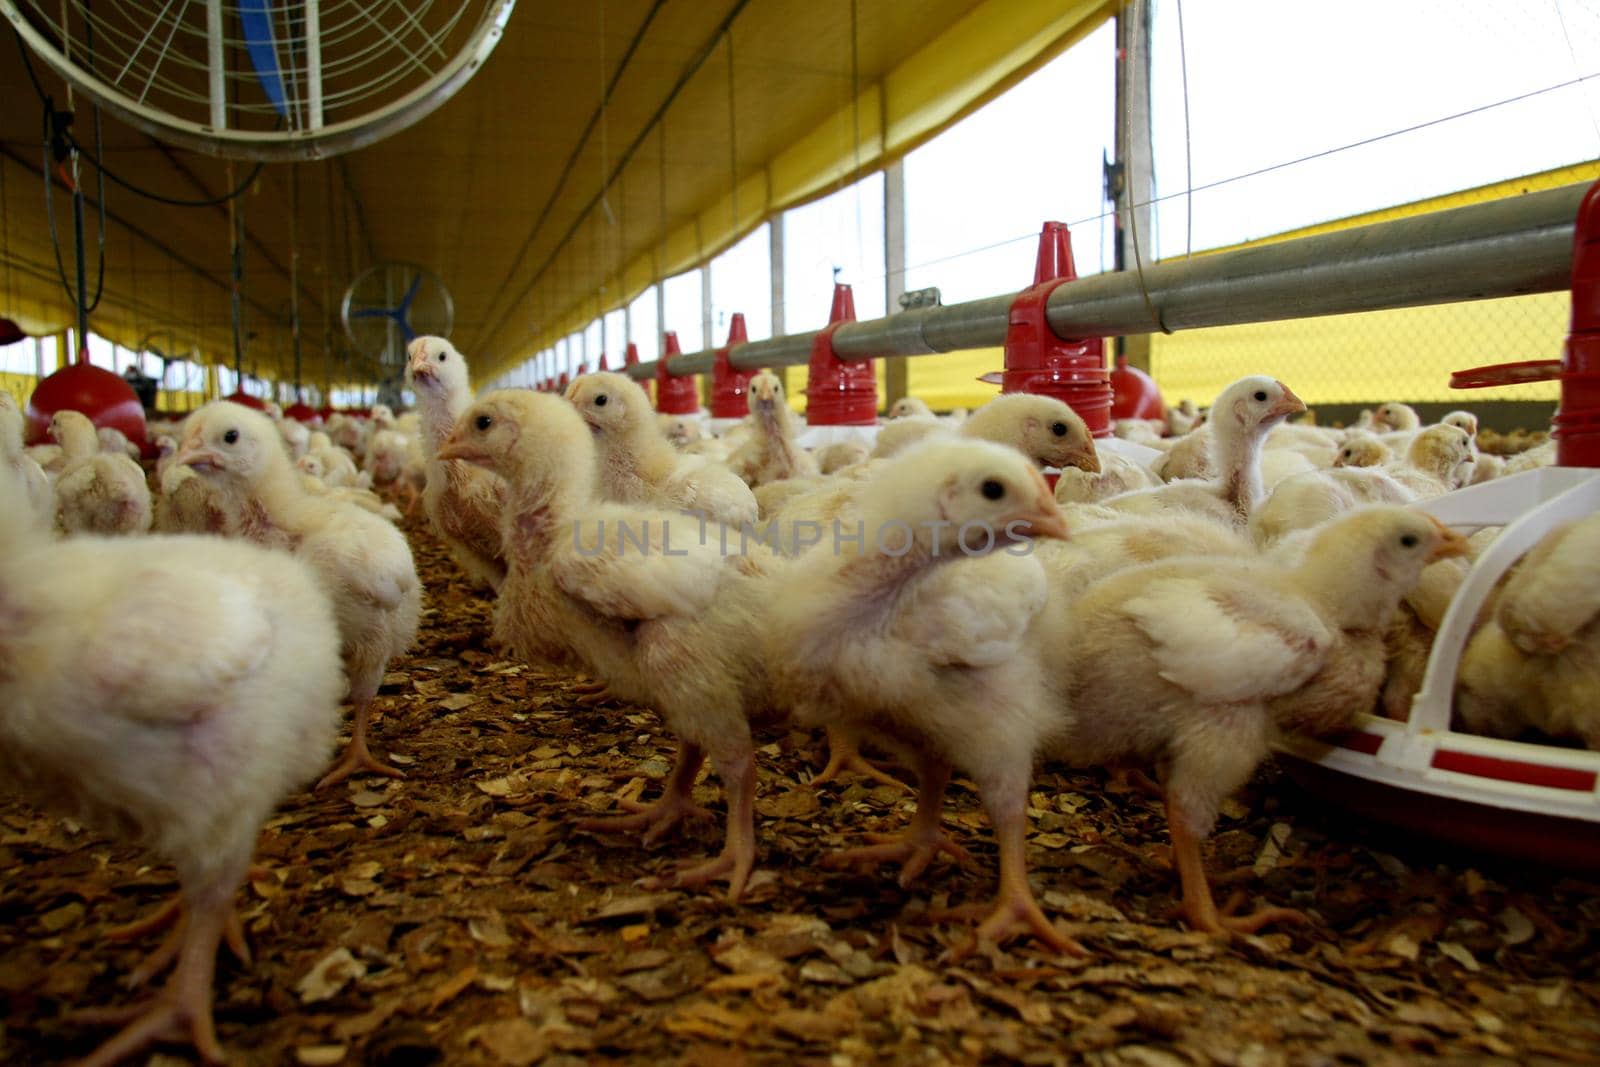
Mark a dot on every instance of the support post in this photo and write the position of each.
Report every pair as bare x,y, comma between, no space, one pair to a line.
896,371
1132,179
775,248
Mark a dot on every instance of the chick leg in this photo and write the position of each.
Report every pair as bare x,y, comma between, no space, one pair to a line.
844,754
1015,909
1199,908
738,856
922,840
657,818
357,759
182,1009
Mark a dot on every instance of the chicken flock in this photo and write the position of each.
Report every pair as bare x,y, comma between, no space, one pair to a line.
173,661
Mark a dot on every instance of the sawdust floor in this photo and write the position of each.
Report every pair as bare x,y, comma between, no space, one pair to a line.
457,918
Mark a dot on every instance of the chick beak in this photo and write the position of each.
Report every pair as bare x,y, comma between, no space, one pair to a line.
1288,404
1043,516
455,448
1085,458
1451,544
201,459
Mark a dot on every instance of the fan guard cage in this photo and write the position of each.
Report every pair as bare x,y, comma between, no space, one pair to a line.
264,80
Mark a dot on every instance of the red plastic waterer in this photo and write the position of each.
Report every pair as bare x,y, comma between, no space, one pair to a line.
101,395
1576,425
244,399
840,393
1134,394
630,358
730,388
304,413
675,395
603,367
1073,370
562,383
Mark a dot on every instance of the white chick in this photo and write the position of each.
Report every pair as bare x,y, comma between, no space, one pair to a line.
909,407
386,457
184,502
1139,431
1537,661
681,430
1183,418
1194,664
1308,500
656,611
1240,419
1439,459
921,634
771,453
1486,468
170,692
1396,417
463,502
116,442
841,454
902,433
1189,456
638,466
35,495
1464,420
1362,449
295,437
97,492
1117,475
363,562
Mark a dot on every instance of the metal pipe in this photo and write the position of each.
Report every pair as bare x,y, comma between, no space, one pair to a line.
1508,247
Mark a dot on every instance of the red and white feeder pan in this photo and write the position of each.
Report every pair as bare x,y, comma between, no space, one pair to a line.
1537,802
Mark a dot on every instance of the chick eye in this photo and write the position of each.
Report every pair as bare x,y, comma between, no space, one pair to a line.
1408,540
992,489
231,437
443,356
1059,429
483,422
1261,394
600,401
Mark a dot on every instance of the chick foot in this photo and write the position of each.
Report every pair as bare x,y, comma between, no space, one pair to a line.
734,867
913,850
1199,909
167,951
656,819
844,754
357,760
1226,921
181,1011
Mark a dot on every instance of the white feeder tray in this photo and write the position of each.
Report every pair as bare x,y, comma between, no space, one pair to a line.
821,436
1535,801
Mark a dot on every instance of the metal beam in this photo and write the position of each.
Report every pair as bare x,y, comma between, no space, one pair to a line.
896,378
1133,185
1502,248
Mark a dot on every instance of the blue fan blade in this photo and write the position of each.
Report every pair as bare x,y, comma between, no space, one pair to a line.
411,293
255,17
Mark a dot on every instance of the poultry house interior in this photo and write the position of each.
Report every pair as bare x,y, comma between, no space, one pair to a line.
609,580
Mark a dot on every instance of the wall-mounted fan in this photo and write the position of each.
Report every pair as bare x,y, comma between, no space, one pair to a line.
389,305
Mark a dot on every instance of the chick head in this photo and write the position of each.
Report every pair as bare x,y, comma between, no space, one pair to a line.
1042,428
613,405
435,368
1396,416
73,428
227,440
1256,404
311,464
766,393
1444,452
1383,547
1466,420
950,495
681,430
1361,449
909,407
528,438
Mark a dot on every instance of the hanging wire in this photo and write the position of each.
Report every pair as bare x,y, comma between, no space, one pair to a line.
1573,51
1188,151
